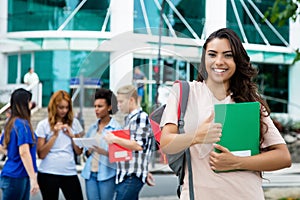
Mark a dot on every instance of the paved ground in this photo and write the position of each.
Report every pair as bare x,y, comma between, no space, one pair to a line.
160,198
281,184
291,193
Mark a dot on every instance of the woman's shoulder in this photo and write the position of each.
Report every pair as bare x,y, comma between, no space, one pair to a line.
76,121
76,125
196,84
43,122
192,84
94,124
20,121
21,125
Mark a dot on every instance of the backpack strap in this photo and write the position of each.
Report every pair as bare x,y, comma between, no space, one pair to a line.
189,163
184,89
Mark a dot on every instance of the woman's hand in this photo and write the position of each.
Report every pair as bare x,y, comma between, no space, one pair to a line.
110,137
208,132
34,187
57,128
67,130
223,161
150,179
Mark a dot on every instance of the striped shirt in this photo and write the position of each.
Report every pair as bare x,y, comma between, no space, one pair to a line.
140,131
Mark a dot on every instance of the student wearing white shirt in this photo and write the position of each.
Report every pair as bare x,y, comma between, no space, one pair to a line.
56,148
31,77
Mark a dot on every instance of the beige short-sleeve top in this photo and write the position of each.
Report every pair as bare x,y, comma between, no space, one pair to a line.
208,185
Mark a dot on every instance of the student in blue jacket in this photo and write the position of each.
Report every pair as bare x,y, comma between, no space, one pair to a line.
98,172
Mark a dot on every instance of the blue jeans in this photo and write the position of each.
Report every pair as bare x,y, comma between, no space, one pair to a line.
129,189
15,188
100,190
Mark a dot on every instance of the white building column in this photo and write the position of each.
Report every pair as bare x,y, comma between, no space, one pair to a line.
3,31
294,71
215,15
121,60
19,65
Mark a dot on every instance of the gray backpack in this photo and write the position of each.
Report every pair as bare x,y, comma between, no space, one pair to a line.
176,161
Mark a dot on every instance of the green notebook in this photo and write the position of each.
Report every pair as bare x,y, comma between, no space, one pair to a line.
240,131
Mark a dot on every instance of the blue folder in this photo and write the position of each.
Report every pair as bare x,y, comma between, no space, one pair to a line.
240,127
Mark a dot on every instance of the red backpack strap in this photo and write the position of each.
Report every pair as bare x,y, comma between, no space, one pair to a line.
180,98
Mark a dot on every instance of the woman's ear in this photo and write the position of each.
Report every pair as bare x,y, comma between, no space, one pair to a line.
109,108
30,105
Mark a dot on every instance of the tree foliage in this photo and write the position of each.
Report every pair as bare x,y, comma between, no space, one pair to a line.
281,12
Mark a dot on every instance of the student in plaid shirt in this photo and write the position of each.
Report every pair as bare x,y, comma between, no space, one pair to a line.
132,174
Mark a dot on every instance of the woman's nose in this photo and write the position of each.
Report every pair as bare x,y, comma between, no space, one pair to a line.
219,60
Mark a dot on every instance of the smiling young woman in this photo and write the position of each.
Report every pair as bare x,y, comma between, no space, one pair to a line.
225,76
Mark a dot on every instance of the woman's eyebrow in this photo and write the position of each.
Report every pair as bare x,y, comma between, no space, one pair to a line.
229,51
213,51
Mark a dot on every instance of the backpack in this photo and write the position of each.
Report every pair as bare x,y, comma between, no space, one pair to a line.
176,161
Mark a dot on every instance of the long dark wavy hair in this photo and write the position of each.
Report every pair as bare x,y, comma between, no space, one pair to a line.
55,99
19,105
242,86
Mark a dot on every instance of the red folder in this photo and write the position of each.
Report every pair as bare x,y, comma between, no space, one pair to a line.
117,153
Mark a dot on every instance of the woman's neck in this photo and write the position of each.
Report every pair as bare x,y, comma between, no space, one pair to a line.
58,119
105,120
220,91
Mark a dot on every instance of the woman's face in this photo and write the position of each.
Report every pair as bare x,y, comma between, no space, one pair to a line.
62,109
219,62
101,108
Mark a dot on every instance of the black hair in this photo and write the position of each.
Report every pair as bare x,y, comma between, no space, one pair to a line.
19,102
19,105
109,97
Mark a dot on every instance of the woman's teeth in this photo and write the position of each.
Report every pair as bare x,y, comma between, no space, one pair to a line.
219,70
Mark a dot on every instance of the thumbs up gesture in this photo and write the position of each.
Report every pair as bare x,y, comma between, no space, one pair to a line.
208,131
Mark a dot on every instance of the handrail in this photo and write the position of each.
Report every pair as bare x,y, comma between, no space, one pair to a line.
75,94
4,108
35,88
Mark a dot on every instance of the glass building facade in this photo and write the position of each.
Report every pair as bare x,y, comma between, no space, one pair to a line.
184,19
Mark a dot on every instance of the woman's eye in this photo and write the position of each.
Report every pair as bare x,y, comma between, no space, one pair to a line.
211,55
228,55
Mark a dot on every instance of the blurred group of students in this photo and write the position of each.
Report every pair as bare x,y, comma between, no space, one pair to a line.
52,142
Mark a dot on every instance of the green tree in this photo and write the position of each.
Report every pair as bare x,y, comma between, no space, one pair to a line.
281,12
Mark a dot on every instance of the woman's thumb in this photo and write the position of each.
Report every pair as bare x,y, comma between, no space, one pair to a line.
211,117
